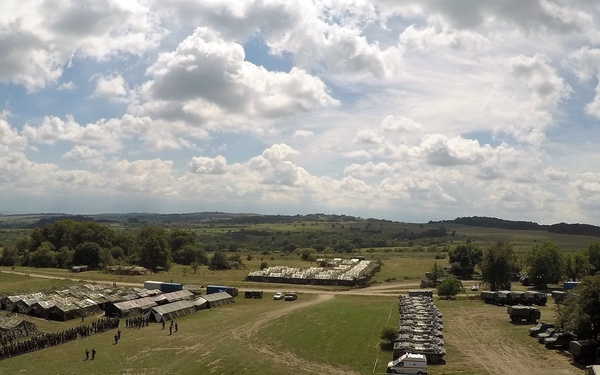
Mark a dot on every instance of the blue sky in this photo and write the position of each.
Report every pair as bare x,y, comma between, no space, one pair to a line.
409,110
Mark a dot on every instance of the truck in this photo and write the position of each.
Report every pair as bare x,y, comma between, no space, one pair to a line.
488,296
540,298
523,313
210,289
592,370
559,341
584,351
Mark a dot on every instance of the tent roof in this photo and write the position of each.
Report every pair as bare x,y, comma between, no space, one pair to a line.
198,301
140,303
178,295
217,296
174,306
12,322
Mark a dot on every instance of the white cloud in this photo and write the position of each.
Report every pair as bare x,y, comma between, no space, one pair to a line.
39,40
206,82
303,134
206,165
110,87
67,86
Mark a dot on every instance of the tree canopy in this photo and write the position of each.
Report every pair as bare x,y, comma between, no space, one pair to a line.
580,311
449,287
544,263
576,265
464,258
497,265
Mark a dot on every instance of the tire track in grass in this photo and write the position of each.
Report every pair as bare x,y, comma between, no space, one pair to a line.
475,335
248,333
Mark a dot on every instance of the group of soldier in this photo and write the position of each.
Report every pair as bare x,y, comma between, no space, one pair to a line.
14,348
137,322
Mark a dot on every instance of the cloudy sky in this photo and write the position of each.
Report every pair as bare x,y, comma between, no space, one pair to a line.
410,110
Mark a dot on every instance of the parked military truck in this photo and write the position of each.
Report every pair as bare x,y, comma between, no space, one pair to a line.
488,296
540,298
558,296
559,341
592,370
584,351
512,298
523,313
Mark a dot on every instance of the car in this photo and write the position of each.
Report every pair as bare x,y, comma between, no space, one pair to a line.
278,295
474,288
290,296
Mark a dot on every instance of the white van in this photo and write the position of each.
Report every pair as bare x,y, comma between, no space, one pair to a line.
408,364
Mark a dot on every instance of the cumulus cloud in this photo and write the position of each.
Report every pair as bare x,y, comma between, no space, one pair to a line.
110,87
39,40
207,82
206,165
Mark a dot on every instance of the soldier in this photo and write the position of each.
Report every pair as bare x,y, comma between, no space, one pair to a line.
93,353
119,334
87,354
176,328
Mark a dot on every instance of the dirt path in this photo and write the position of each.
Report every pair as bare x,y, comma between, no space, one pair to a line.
483,344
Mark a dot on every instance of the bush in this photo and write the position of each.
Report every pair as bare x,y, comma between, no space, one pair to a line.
263,265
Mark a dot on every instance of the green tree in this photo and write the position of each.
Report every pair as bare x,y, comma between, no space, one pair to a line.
44,256
87,253
180,238
544,263
437,272
593,253
576,265
218,261
497,265
263,265
64,257
580,312
450,287
195,265
467,256
9,256
154,251
388,335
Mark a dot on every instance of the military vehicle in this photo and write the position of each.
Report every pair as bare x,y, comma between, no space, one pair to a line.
512,298
540,298
584,351
488,296
559,340
523,313
501,297
549,332
592,370
527,298
433,352
541,327
420,331
558,296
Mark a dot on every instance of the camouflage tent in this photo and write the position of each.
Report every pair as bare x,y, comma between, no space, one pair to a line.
13,327
172,310
217,299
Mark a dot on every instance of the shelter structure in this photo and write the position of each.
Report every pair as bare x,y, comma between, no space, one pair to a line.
15,328
172,310
140,306
218,299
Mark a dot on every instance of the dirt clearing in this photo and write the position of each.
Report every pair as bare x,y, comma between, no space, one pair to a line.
481,338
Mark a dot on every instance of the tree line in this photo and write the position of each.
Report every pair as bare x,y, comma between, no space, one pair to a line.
544,263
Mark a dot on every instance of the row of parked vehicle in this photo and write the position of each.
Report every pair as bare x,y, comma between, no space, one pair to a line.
508,297
419,330
583,351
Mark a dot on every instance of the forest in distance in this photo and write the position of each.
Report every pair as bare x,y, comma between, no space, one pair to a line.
23,221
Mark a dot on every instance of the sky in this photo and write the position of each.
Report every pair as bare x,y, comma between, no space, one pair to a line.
407,110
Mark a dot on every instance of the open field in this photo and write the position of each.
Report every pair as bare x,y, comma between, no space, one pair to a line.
323,332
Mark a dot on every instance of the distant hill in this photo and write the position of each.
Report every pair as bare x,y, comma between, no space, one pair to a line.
492,222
